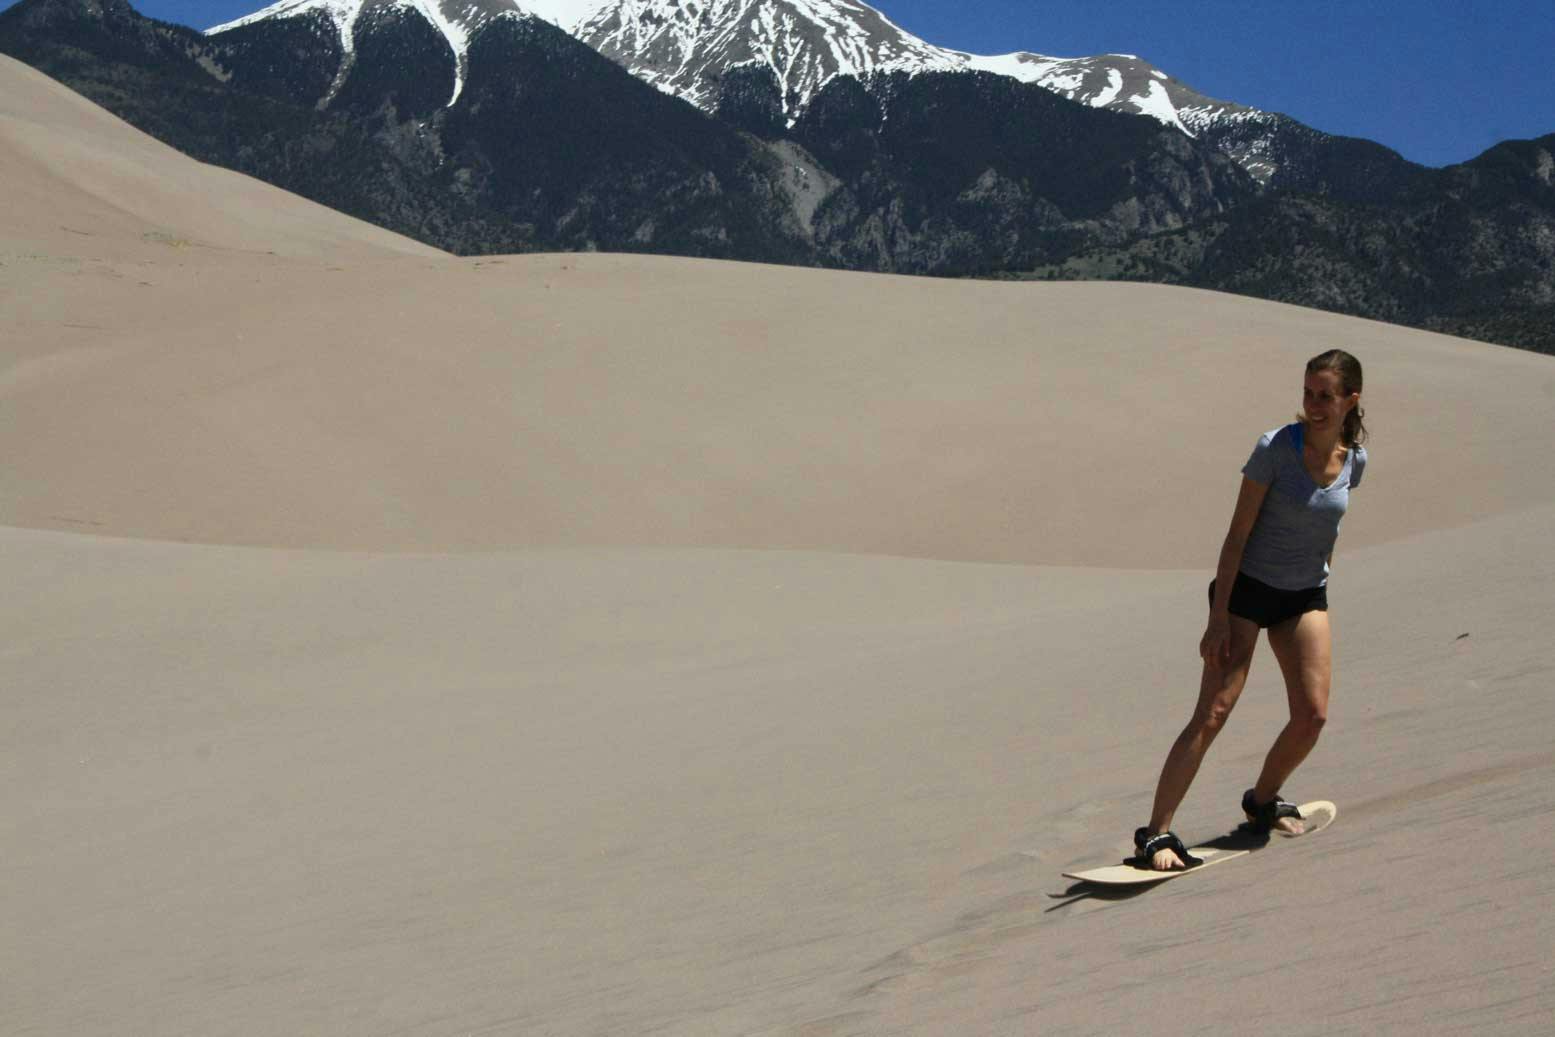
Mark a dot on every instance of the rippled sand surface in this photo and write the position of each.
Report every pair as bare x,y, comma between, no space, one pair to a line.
590,644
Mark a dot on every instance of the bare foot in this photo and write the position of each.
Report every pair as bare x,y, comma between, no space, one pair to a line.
1290,825
1165,857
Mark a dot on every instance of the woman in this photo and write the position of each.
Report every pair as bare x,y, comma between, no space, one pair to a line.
1273,575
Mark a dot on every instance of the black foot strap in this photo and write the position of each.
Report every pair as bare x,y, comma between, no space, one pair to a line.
1149,845
1265,817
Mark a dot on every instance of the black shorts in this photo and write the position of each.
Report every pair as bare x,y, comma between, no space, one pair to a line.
1269,606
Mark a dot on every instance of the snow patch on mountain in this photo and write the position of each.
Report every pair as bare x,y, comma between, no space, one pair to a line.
1109,92
684,47
341,12
1157,103
456,20
564,14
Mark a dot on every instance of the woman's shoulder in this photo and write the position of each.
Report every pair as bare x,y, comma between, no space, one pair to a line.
1272,456
1282,436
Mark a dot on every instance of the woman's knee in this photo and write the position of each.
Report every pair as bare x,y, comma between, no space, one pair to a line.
1210,718
1310,718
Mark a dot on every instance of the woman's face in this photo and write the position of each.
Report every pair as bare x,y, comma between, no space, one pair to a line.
1324,401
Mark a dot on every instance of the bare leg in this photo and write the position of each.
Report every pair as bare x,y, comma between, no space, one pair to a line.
1303,647
1219,689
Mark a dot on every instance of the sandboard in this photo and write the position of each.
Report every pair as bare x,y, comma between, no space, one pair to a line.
1317,815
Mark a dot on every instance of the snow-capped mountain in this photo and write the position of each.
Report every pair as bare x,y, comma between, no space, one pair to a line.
457,20
684,47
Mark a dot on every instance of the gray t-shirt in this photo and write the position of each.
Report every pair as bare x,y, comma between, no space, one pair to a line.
1299,521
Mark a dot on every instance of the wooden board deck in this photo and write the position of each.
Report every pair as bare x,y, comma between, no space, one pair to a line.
1318,815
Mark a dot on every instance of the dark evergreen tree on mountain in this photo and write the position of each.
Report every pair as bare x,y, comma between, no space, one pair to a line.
750,98
554,135
289,59
400,62
1308,161
972,173
1467,250
572,152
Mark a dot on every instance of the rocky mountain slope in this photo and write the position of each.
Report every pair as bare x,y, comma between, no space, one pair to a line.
515,136
685,48
694,49
1468,250
968,173
549,145
702,50
504,170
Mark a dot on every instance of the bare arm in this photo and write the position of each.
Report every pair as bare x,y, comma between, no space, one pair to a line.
1216,645
1248,501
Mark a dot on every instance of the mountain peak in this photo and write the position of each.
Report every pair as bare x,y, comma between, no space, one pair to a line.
456,20
685,48
44,12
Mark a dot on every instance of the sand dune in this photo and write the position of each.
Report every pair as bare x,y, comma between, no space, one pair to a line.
605,400
603,644
78,177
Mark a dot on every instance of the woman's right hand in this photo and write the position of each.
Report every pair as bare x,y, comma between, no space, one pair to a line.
1215,646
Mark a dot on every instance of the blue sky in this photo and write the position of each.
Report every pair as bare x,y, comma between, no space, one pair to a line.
1437,80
